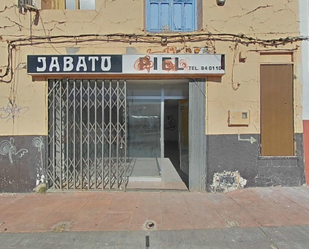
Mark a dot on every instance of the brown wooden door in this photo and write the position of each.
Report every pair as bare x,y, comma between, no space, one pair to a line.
277,135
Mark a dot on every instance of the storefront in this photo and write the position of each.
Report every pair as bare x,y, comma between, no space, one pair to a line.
126,121
121,97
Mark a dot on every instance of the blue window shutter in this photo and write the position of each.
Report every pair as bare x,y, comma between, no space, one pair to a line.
165,16
171,15
184,15
177,16
158,15
189,17
153,17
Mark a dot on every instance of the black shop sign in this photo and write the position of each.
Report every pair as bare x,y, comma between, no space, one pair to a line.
67,64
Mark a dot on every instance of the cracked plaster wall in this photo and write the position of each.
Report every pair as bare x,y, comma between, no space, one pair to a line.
115,16
263,19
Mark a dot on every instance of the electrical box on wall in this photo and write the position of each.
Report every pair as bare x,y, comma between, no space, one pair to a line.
237,117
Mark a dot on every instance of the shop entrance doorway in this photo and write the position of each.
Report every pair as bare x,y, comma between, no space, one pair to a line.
108,134
153,134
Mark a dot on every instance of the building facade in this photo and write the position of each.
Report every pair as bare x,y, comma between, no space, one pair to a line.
164,94
304,32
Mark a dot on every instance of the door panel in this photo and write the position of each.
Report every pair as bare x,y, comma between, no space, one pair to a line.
87,147
144,131
277,135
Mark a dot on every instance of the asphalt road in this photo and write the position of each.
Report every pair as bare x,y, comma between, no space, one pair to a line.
283,237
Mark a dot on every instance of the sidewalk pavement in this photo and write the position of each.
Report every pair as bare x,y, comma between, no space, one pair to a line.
129,211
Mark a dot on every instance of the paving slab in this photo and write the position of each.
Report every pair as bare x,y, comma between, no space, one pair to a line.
128,211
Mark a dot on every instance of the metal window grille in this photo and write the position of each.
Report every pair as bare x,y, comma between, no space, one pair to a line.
87,134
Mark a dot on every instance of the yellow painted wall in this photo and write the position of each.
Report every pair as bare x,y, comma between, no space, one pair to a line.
23,107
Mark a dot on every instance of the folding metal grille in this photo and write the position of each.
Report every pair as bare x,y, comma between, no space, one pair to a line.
87,134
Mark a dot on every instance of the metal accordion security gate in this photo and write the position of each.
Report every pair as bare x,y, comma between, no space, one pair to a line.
87,134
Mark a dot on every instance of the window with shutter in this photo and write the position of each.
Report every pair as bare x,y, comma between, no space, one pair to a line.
171,15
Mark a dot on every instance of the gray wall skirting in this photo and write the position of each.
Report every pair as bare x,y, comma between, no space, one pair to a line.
234,153
23,158
22,162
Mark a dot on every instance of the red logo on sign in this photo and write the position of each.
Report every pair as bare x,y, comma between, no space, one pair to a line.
143,63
